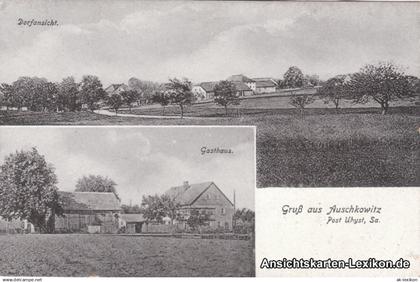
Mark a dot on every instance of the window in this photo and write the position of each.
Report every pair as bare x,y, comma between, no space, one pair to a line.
208,196
223,211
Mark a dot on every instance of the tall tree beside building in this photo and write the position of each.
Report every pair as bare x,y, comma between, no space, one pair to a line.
68,95
146,89
28,190
131,209
382,83
156,207
129,97
293,78
6,92
162,98
179,91
91,91
225,94
96,183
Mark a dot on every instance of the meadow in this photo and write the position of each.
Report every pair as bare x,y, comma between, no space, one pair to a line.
82,255
322,147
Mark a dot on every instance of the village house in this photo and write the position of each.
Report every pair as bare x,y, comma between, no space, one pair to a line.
244,79
265,85
242,89
92,212
204,197
116,88
204,91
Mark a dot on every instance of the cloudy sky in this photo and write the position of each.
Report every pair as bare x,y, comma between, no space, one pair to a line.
143,160
206,41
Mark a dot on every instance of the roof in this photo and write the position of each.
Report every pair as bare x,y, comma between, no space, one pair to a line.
187,195
89,201
208,86
132,217
240,77
265,83
114,87
240,86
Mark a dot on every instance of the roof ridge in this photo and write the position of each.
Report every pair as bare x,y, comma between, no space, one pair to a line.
87,192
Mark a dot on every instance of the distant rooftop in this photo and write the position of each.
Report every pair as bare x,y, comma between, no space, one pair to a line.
240,78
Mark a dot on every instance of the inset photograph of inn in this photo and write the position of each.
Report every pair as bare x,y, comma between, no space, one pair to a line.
127,201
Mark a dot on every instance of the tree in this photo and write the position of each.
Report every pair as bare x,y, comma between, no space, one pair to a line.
225,94
115,101
131,209
129,97
30,92
6,91
414,83
146,89
197,218
293,78
311,80
383,83
157,207
180,93
68,97
96,183
28,190
244,214
163,98
170,207
91,91
244,220
334,90
45,96
301,101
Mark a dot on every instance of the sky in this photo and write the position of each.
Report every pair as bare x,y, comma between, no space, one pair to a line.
204,41
143,160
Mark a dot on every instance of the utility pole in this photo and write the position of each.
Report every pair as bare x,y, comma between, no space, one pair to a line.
234,209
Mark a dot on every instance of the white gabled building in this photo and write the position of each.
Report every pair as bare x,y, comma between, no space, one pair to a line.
265,85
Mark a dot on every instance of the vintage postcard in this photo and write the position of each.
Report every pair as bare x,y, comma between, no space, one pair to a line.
93,88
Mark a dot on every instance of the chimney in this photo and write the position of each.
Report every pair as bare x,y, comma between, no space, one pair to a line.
186,185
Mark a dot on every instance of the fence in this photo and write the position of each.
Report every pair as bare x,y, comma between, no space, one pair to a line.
11,227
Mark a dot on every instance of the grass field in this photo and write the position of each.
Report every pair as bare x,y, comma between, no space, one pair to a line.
255,105
122,256
351,147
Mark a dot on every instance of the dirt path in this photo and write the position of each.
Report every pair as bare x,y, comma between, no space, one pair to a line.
108,113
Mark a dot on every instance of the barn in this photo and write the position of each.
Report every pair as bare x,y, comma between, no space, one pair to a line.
92,212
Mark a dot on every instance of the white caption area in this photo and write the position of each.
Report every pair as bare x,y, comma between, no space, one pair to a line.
307,235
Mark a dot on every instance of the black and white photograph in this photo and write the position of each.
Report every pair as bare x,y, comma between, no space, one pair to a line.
332,87
127,201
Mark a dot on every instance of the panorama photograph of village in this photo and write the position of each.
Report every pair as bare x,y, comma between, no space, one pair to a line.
142,202
333,88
